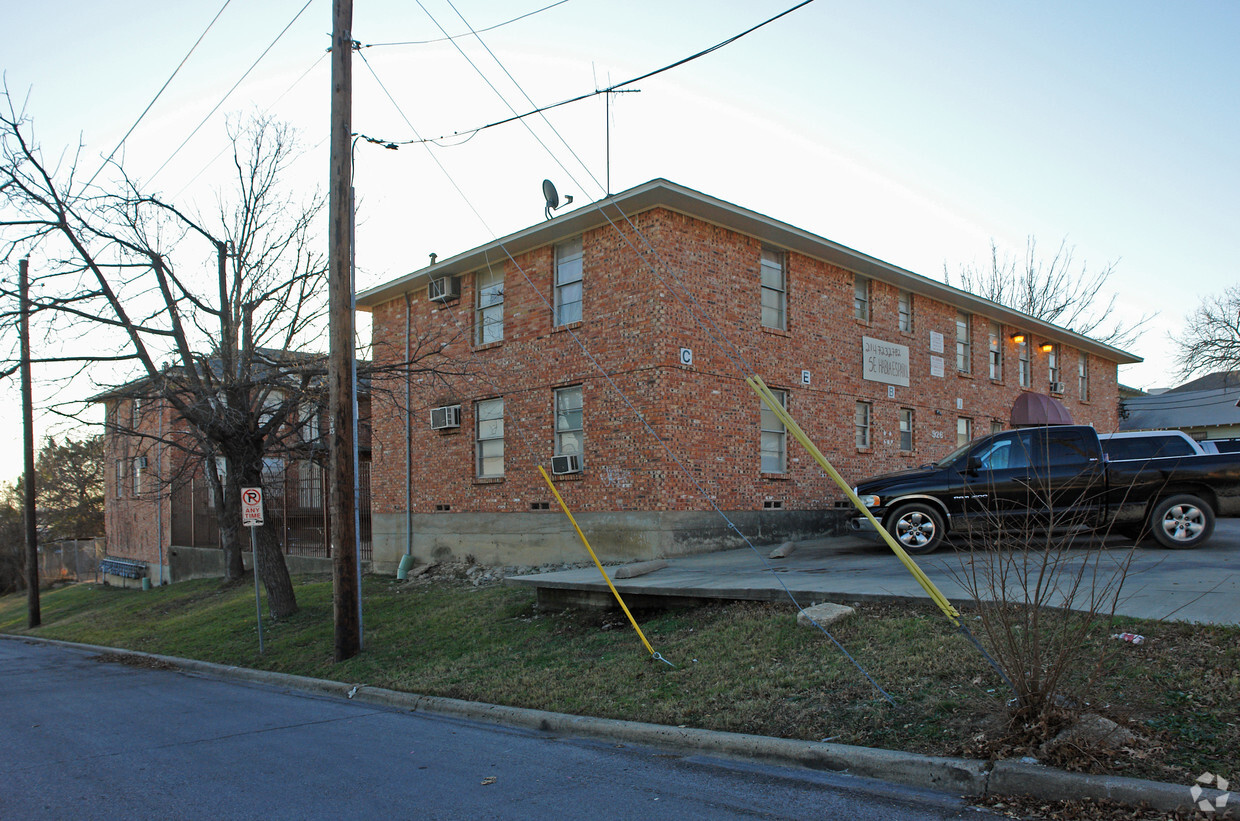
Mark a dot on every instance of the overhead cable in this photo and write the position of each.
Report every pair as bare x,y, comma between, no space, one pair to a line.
596,92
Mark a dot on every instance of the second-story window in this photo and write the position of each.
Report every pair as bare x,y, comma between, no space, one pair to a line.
1082,372
861,298
489,307
489,429
139,465
964,343
773,447
1052,369
906,311
568,257
774,276
996,351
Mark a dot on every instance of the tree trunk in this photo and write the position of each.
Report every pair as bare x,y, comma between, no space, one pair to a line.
274,573
269,560
228,514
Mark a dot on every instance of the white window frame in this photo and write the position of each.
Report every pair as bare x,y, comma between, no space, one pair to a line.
964,342
570,439
906,429
996,351
964,430
120,477
309,418
489,438
906,311
863,420
1026,363
569,281
773,276
861,298
1082,374
1053,372
488,306
772,437
137,475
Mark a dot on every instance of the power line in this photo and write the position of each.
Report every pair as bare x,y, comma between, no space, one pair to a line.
162,88
228,94
596,92
453,37
266,110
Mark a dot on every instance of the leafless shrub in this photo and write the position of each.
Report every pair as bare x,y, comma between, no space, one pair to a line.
1044,586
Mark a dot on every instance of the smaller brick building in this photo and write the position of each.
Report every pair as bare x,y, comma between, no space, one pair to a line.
611,344
159,507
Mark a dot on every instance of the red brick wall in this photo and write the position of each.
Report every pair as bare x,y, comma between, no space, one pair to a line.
634,327
137,523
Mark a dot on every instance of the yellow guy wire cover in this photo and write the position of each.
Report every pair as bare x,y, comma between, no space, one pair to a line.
764,393
597,563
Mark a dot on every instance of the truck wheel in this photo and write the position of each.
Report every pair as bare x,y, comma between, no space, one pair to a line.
1181,521
917,528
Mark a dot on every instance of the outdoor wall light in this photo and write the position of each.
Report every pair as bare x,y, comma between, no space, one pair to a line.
1019,339
1047,347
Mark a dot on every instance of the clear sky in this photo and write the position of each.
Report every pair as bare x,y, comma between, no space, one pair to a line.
914,132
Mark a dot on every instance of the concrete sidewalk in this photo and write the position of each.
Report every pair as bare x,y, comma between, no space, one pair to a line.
1201,585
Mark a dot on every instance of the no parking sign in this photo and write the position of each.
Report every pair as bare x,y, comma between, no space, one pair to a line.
251,506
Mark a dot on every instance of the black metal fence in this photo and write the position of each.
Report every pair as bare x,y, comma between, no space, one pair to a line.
297,512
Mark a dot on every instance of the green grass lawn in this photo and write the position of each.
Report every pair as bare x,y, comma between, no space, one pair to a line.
739,667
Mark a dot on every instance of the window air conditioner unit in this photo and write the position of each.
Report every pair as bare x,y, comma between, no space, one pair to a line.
448,416
566,464
142,462
1056,387
443,289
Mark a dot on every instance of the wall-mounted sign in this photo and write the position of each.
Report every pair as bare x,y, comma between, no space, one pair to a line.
891,391
884,361
936,366
804,377
686,356
936,342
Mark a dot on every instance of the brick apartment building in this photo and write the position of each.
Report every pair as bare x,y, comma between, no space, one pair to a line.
159,507
618,336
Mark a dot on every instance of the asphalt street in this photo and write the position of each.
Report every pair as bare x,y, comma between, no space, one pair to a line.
82,737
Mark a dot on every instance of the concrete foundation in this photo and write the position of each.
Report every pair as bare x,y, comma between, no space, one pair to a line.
547,537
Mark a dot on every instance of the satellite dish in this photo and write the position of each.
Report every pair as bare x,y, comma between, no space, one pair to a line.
552,197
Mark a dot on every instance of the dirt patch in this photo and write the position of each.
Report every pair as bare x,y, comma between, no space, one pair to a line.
145,662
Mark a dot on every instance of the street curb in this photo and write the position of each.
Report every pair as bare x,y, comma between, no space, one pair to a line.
961,776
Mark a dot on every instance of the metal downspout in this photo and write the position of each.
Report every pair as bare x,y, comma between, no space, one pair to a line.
408,434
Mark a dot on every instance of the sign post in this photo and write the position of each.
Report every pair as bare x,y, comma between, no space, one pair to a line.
252,517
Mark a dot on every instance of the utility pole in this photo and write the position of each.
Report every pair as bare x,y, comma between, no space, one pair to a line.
345,583
35,617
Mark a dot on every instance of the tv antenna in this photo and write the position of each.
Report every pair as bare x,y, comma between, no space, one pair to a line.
607,123
553,197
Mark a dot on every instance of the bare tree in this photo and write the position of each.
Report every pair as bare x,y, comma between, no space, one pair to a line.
230,349
1051,289
1211,338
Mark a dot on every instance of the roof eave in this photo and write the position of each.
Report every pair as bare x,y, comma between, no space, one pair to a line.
666,194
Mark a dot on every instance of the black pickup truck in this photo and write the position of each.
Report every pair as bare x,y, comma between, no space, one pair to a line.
1035,479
